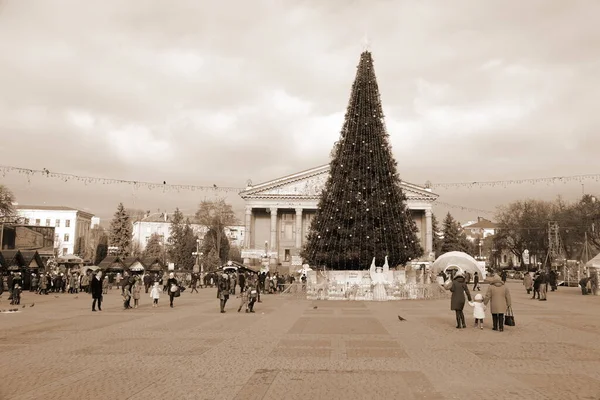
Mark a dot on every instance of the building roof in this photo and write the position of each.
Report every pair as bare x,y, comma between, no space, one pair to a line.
51,208
161,218
482,223
308,184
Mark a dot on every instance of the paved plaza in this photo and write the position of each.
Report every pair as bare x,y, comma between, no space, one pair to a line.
297,349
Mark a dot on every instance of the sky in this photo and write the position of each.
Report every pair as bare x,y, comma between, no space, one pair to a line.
203,92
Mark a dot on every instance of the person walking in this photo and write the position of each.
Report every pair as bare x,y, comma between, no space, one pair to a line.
543,286
498,296
459,289
173,288
528,282
224,290
136,292
537,283
476,282
96,289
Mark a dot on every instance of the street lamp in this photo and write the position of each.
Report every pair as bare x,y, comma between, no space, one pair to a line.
197,254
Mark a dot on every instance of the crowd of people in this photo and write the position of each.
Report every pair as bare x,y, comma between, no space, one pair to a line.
247,285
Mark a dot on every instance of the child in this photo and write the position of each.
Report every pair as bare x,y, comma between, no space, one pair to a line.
16,295
136,291
244,302
155,294
126,297
252,295
105,285
478,310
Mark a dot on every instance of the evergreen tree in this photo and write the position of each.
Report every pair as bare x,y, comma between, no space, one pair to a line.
101,249
216,216
451,235
437,240
121,230
182,242
154,247
212,261
211,238
455,238
362,211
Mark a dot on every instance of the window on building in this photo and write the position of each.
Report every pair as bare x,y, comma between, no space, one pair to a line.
57,223
147,239
504,258
56,237
67,223
48,222
64,251
66,237
287,255
287,226
26,221
38,222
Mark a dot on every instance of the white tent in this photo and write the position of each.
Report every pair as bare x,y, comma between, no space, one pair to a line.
460,261
594,262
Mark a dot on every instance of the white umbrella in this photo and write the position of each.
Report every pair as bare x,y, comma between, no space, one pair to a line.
457,259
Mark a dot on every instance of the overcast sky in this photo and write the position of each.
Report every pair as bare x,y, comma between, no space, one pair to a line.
203,92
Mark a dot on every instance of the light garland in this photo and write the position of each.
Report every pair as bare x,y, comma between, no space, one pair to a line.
509,182
4,169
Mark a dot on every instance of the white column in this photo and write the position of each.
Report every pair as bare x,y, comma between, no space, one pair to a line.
248,227
428,233
273,244
298,228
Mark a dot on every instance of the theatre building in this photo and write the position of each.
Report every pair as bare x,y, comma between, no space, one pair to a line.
279,213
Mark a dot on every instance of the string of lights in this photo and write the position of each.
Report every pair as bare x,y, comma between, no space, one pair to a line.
470,209
29,172
510,182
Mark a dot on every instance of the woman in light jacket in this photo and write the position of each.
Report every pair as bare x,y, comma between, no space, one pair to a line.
499,297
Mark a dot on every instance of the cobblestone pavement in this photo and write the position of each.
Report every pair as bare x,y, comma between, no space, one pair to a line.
297,349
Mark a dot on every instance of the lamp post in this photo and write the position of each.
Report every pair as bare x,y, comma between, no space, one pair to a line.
197,254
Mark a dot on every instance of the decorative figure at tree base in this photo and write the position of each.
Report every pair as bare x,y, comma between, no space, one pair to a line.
379,280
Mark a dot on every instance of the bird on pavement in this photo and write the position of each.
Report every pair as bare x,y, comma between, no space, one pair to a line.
23,306
315,307
32,304
401,319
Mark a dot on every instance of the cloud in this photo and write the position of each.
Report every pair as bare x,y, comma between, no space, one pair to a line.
199,92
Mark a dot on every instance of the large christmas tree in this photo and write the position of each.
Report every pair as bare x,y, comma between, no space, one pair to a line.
362,212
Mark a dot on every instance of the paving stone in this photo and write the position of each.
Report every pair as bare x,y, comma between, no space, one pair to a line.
288,349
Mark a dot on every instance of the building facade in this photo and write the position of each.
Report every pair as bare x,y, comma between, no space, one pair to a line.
71,226
279,212
161,224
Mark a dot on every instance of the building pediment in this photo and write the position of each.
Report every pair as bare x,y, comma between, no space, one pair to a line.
310,183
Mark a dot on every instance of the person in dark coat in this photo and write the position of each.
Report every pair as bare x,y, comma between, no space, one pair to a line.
96,287
172,287
224,289
476,282
537,283
552,280
459,288
503,275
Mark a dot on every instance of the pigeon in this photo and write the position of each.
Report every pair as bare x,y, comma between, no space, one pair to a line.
32,304
315,307
401,319
23,306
